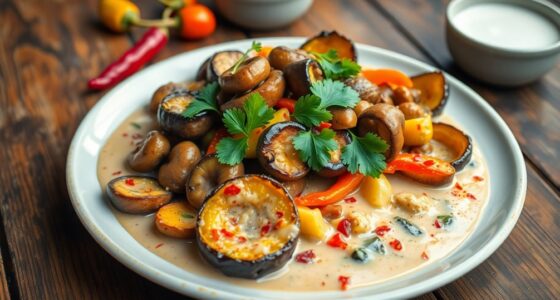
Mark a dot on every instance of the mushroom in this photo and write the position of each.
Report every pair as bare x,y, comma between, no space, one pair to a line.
387,122
301,74
150,152
367,90
401,94
271,90
173,175
282,56
343,118
412,110
249,74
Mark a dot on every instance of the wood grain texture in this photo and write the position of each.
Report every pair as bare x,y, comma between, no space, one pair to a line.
532,111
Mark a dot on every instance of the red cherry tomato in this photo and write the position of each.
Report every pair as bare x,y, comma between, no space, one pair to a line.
197,21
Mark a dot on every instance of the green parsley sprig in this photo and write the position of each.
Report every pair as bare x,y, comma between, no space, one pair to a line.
204,100
315,148
365,155
240,123
255,46
335,67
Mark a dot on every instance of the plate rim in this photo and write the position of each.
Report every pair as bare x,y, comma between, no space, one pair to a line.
197,290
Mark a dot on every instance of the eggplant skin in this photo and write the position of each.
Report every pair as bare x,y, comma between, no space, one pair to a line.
242,268
176,124
334,169
444,132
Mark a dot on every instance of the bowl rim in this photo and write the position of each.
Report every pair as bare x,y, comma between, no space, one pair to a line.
453,9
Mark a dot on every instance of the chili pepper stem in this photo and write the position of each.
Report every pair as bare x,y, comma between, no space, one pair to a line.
169,22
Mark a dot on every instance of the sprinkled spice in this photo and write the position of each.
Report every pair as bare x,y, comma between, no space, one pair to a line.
396,244
226,233
215,234
306,257
241,239
324,125
265,229
344,227
232,190
344,282
279,214
116,173
278,224
159,245
429,163
477,179
381,230
424,256
350,200
129,181
471,196
437,224
336,242
125,134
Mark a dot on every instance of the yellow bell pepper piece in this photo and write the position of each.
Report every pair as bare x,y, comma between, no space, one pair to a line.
418,132
377,191
280,115
312,223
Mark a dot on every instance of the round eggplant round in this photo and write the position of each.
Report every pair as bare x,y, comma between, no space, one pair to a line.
434,91
271,90
248,227
250,73
300,75
457,140
387,122
162,92
326,41
137,194
174,173
276,152
335,167
282,56
170,119
221,62
206,175
150,152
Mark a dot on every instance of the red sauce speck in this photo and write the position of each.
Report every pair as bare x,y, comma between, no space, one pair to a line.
215,235
322,283
306,257
129,181
336,242
458,186
437,224
344,282
159,245
278,224
477,178
116,173
429,163
136,136
125,134
226,233
344,227
417,158
350,200
396,244
418,127
233,220
279,214
471,196
241,239
381,230
424,256
232,190
265,229
324,125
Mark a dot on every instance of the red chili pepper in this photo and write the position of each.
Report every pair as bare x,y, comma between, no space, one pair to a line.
396,244
471,196
286,103
215,235
265,229
344,282
424,256
437,224
241,239
325,125
336,242
218,136
129,181
232,190
226,233
344,227
306,257
381,230
153,40
344,185
279,214
350,200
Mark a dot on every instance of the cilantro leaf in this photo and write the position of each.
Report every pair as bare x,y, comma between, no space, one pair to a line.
241,122
365,155
315,149
205,100
309,112
335,93
335,67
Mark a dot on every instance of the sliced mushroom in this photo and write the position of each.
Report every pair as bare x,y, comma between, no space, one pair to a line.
170,119
343,118
300,75
387,122
173,174
413,110
402,94
249,74
208,174
368,91
271,90
282,56
149,153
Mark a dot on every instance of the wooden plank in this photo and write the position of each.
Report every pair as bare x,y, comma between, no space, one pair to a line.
532,111
4,277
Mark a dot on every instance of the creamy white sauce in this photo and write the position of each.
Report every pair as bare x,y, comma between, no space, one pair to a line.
507,26
331,262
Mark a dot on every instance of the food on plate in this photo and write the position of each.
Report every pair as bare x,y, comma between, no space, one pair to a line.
293,164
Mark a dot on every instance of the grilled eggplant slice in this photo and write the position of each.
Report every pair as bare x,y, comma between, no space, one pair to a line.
434,91
331,40
170,119
271,90
248,227
300,75
335,167
276,153
137,194
219,63
457,140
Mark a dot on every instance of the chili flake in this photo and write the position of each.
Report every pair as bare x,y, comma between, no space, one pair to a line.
306,257
437,224
279,214
159,245
396,244
116,173
265,229
344,227
232,190
129,181
429,163
471,196
241,239
477,178
337,242
278,224
226,233
381,230
215,234
350,200
425,256
458,186
344,282
324,125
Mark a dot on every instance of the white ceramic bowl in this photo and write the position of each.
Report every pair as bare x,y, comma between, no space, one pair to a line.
263,14
508,182
501,65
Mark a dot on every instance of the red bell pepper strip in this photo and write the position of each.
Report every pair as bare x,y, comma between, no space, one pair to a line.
422,168
153,40
221,133
286,103
344,185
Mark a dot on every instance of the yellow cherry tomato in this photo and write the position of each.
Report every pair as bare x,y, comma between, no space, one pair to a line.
117,15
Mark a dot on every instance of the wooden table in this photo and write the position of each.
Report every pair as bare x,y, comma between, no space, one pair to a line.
48,50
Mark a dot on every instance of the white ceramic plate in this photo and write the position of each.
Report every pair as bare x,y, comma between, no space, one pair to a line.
505,162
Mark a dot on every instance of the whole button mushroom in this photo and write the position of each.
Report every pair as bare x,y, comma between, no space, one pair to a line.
249,74
282,56
149,153
413,110
173,174
387,121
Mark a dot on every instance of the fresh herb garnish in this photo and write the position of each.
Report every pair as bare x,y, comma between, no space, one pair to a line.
376,244
135,125
335,93
360,255
445,220
410,228
309,112
241,122
365,155
187,216
204,100
255,46
334,67
315,148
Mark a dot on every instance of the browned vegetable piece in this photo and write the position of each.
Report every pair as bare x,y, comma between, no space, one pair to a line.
385,94
387,122
170,119
176,219
331,40
221,62
413,110
249,74
459,142
271,90
296,187
402,94
173,174
300,75
202,71
361,107
332,211
162,92
343,118
282,56
367,90
434,90
149,153
208,174
335,167
137,194
276,153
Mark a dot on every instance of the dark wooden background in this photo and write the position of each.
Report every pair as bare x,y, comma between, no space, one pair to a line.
48,50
